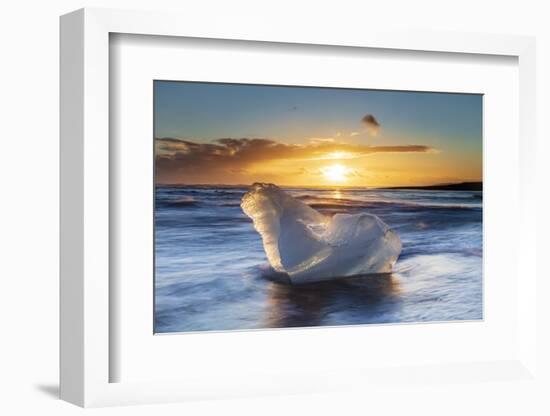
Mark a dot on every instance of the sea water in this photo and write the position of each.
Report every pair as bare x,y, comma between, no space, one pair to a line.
212,274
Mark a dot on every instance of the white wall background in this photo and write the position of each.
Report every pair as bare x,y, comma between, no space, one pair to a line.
29,204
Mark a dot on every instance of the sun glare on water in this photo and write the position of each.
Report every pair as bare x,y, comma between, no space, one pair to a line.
335,173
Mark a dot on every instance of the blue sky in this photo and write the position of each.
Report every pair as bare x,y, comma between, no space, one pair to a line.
204,112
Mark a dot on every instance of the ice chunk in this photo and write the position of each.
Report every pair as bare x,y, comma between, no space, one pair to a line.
310,246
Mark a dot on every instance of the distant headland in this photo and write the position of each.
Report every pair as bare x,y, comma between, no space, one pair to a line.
462,186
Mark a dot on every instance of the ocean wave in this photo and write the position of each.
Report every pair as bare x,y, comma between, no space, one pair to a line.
396,204
338,203
184,201
346,200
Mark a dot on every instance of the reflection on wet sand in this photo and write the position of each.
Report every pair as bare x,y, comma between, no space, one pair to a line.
365,298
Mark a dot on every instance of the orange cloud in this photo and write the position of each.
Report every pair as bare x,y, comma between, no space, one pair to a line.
177,157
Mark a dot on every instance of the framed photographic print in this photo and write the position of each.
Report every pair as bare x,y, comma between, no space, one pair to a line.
288,206
275,212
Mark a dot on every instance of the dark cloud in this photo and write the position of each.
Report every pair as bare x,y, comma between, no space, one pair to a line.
371,124
177,157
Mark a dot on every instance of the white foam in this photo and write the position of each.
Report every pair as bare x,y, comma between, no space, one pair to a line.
310,246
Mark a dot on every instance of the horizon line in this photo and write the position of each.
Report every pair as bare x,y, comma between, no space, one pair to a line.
324,186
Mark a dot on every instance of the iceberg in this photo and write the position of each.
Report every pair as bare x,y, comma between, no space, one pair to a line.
310,246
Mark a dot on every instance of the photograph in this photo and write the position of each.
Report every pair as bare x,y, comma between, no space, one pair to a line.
282,206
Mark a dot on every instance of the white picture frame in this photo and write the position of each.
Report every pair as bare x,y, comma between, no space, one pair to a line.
86,356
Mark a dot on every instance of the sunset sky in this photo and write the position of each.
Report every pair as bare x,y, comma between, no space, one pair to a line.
208,133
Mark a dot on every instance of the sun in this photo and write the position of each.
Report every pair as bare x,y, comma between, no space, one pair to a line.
335,173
